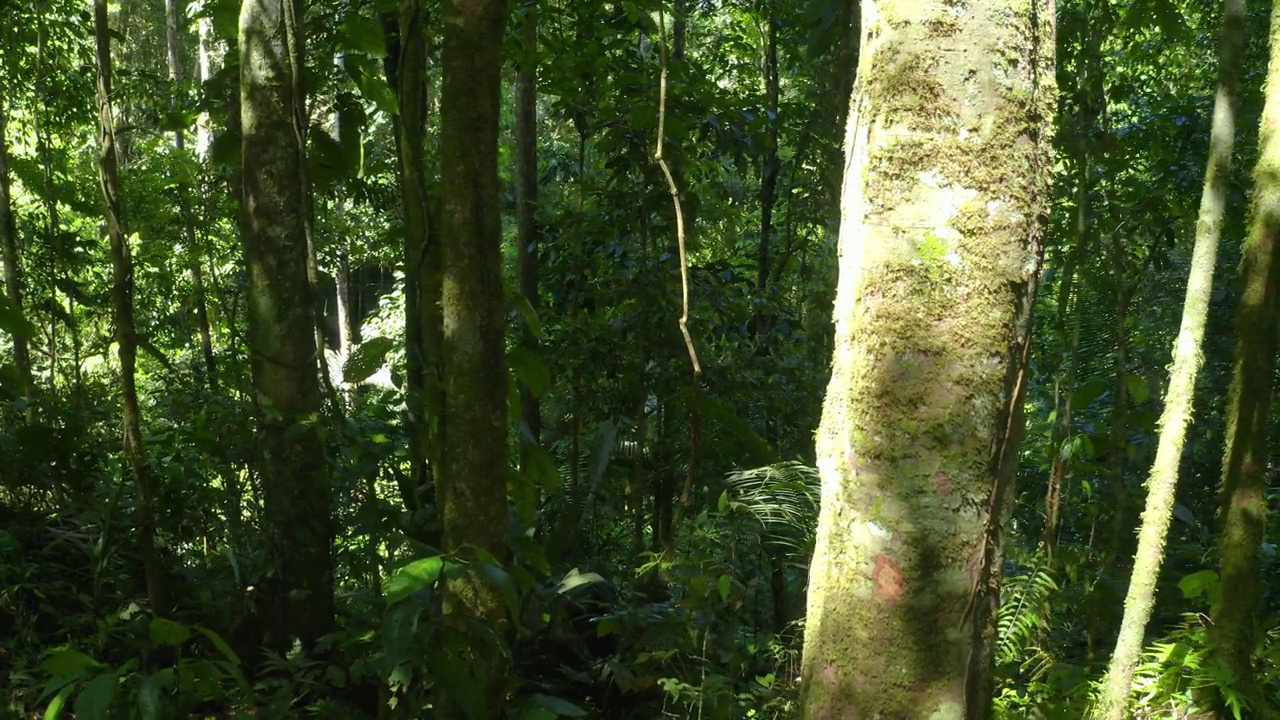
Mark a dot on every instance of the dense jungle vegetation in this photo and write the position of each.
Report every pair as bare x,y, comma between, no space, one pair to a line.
641,359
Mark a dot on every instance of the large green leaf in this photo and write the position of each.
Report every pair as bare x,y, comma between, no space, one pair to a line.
12,321
413,577
530,370
168,633
362,34
67,663
94,699
366,359
559,707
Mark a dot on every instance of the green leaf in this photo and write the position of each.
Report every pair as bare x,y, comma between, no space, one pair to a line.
574,579
67,663
413,577
501,579
233,666
1084,396
364,35
366,359
530,317
559,707
151,693
94,699
371,83
12,321
530,370
1138,389
167,632
54,711
540,467
724,585
1198,583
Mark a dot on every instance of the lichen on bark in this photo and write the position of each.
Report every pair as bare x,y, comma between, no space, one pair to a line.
946,185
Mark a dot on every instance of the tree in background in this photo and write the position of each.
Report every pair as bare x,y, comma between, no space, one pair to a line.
1248,411
122,304
1187,358
946,189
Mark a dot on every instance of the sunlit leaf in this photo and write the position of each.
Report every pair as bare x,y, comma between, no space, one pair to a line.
413,577
366,359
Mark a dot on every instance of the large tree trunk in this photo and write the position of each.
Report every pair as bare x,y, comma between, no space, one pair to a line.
122,302
1232,633
282,338
946,189
473,488
1163,480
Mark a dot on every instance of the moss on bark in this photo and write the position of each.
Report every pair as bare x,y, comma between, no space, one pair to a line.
946,186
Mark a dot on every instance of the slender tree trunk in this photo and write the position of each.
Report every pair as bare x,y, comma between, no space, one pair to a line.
923,411
49,197
770,168
122,301
527,198
1163,480
1232,634
282,337
204,68
12,269
422,257
172,27
473,489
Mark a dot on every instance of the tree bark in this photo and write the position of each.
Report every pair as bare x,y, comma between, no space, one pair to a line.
282,327
1163,479
473,488
527,198
1232,634
12,269
174,47
122,302
422,256
940,251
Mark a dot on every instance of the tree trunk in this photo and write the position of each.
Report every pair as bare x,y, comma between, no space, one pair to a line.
1163,480
172,21
422,257
939,256
1232,633
769,164
122,302
12,270
473,488
527,198
282,338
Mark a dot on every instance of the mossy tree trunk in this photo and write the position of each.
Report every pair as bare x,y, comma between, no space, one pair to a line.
1232,633
1187,357
122,304
945,193
473,485
282,339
